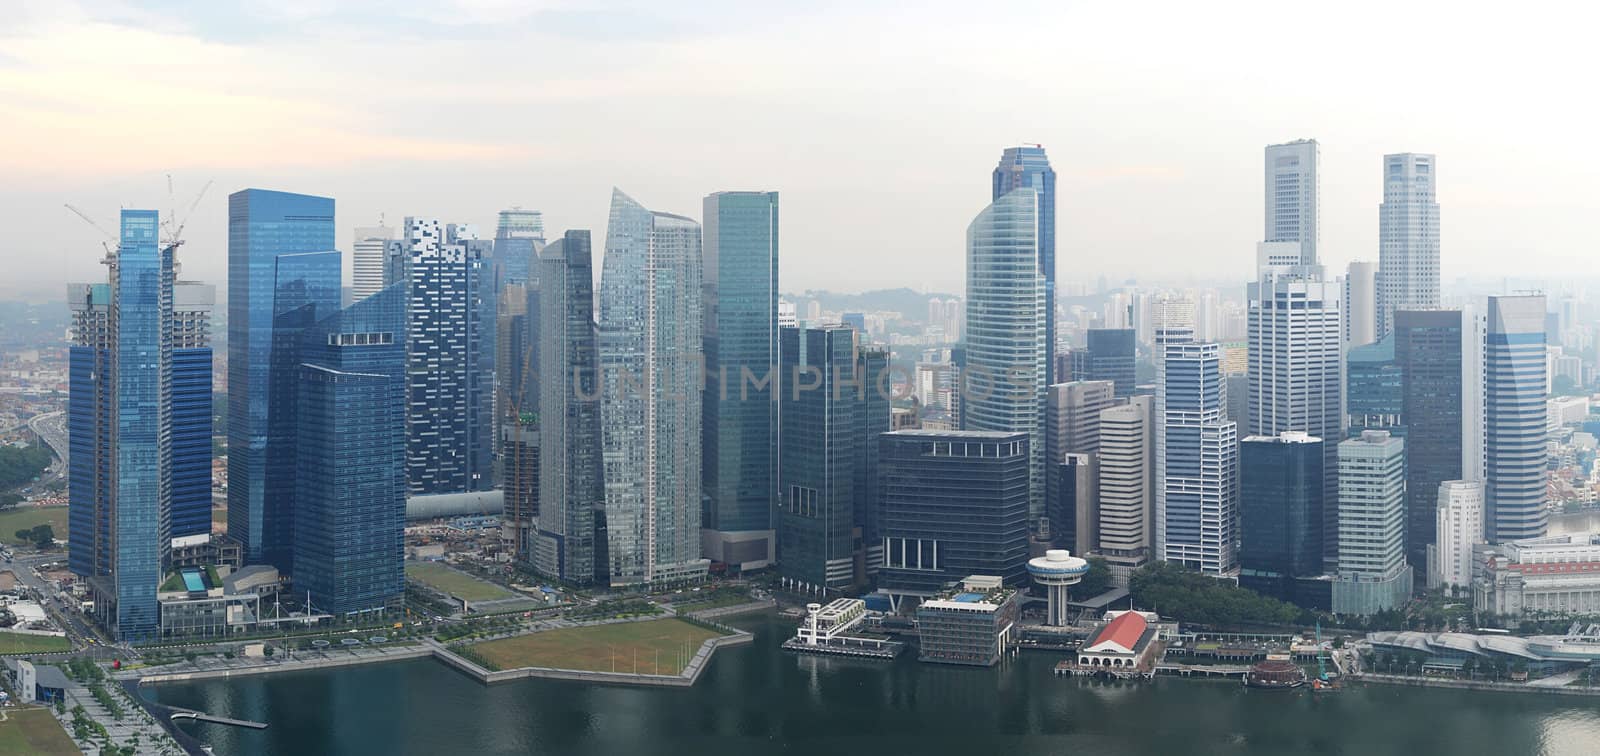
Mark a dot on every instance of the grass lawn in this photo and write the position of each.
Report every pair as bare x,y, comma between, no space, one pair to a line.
34,731
715,600
22,643
26,516
603,648
455,582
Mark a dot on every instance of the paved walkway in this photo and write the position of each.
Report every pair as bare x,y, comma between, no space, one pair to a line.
135,728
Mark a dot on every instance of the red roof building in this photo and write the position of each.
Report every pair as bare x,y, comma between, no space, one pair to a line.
1125,641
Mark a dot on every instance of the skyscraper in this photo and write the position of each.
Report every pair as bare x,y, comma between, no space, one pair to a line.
1072,426
1004,374
1408,237
1514,419
450,352
519,447
740,335
518,237
120,428
1458,526
1375,388
1294,196
1294,363
1027,166
1126,496
955,503
366,260
1197,462
350,497
1428,349
189,413
1280,514
1360,304
1110,356
282,276
569,544
1373,574
650,332
825,488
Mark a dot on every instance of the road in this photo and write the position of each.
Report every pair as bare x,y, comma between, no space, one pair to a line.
51,428
64,615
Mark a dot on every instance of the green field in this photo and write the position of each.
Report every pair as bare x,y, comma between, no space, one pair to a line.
603,648
454,582
22,643
34,731
24,516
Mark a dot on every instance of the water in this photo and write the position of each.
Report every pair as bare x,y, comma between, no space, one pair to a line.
758,699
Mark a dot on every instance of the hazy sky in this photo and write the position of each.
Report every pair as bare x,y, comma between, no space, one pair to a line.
878,123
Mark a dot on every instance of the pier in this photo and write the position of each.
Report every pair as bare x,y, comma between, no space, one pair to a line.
200,716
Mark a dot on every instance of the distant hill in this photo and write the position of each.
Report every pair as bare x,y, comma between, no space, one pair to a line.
910,303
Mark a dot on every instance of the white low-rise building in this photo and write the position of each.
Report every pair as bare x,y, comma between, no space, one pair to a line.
1552,575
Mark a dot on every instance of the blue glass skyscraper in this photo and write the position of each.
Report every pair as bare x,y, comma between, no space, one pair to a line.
189,391
570,542
740,335
350,499
281,274
141,281
1028,166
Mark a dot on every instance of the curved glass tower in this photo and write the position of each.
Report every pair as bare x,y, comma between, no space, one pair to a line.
1004,377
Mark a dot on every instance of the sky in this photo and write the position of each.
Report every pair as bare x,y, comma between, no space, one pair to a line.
879,123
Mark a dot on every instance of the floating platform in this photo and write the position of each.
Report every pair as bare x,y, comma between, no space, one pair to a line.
886,649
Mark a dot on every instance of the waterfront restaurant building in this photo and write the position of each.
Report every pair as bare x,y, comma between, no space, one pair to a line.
969,625
1123,643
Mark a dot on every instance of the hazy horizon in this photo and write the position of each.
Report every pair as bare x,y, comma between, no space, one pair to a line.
878,127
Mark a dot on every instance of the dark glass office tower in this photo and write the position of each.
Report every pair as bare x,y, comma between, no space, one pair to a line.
1428,351
350,502
739,429
820,453
1280,513
1374,394
277,243
569,543
954,503
1110,357
189,329
1028,166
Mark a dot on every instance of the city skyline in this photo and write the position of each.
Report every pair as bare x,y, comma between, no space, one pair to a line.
1200,183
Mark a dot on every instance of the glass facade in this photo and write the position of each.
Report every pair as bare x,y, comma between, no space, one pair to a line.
89,438
650,331
1280,512
262,227
351,489
571,491
1004,372
1514,418
1374,383
740,334
1029,167
450,318
953,504
190,507
142,284
1428,351
1109,356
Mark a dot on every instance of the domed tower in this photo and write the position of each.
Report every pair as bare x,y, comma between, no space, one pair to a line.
1057,571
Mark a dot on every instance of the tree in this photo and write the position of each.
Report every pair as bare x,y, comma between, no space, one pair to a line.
1096,581
1185,594
42,536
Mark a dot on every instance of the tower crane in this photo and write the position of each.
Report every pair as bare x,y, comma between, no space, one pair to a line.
109,237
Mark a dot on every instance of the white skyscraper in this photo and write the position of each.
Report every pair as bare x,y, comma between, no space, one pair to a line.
1295,374
1004,375
1197,461
1408,237
1360,304
366,260
1459,526
1126,472
1293,196
651,352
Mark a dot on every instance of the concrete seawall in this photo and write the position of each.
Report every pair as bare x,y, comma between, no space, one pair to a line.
1416,682
433,649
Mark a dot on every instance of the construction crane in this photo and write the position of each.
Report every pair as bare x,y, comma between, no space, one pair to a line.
109,237
173,226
